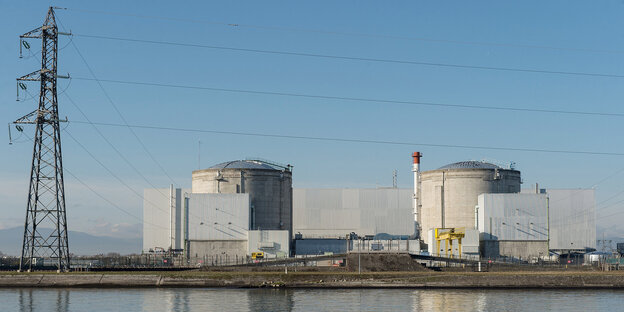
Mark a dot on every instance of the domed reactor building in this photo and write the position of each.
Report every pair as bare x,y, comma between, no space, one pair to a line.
235,209
269,187
450,193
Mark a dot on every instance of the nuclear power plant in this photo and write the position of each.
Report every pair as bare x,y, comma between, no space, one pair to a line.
468,209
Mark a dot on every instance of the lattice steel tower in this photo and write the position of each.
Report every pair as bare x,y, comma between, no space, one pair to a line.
45,228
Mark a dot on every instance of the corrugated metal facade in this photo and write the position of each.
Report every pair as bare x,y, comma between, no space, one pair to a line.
572,219
218,216
337,212
157,217
516,217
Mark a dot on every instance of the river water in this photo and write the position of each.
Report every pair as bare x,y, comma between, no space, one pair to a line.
220,299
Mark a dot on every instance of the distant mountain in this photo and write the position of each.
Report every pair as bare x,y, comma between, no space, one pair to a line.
80,243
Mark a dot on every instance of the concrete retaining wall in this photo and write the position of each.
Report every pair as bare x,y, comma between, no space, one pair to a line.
557,280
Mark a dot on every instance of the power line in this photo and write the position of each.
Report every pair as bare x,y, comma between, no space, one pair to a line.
350,140
578,214
355,58
567,112
110,202
110,100
112,173
123,183
110,144
102,196
119,153
613,214
363,141
353,34
610,198
114,148
122,157
74,176
598,209
357,99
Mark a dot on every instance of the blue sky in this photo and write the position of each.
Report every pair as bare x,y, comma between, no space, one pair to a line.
591,34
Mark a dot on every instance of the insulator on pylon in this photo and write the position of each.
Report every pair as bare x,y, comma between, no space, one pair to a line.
10,139
25,44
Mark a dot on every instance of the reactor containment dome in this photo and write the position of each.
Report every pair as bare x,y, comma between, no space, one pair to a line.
450,193
269,187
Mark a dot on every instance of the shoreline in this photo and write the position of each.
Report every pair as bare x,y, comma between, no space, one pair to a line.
389,280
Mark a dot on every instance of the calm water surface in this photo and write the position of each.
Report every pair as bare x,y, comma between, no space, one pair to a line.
210,299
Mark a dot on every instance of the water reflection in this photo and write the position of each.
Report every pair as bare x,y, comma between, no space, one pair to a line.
62,300
270,300
25,300
196,299
29,302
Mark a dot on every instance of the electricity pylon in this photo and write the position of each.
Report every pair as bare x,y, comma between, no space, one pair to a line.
45,228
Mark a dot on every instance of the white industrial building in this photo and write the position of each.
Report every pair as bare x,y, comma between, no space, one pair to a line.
479,195
163,219
206,227
218,224
513,225
234,209
531,224
239,207
334,213
572,219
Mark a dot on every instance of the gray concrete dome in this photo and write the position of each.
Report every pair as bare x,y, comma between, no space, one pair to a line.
449,194
471,164
269,186
243,164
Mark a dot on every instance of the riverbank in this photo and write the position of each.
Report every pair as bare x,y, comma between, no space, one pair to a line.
535,280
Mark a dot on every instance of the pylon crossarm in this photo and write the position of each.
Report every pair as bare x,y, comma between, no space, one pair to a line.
34,76
35,33
27,119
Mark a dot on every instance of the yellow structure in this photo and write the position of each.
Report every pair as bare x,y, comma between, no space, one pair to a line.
257,255
448,235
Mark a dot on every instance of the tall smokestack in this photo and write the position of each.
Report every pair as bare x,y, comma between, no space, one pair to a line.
416,202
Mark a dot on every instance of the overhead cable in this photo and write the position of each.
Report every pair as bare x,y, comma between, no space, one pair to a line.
135,192
356,58
353,34
358,99
110,100
352,140
119,153
104,198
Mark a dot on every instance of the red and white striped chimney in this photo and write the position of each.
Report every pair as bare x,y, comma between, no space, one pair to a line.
416,202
